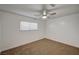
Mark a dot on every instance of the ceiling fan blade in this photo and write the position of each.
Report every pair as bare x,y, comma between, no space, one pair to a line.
53,13
53,5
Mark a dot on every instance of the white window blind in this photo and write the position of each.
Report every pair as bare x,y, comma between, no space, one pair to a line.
28,26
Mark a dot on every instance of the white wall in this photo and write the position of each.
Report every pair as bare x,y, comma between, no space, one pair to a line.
64,29
0,31
13,37
0,34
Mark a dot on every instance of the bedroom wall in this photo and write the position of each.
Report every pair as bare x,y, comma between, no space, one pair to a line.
13,37
0,34
0,31
64,29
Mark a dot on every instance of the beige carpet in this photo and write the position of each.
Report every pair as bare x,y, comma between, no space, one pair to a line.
43,47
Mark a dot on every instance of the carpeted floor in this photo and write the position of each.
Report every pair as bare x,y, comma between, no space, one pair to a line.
43,47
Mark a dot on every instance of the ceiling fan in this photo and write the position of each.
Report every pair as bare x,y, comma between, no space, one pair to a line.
46,13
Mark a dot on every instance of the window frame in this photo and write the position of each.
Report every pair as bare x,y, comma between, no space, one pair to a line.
29,27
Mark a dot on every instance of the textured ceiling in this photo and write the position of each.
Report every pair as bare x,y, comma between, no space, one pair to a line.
32,10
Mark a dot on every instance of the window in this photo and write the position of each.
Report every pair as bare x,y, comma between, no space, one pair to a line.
28,26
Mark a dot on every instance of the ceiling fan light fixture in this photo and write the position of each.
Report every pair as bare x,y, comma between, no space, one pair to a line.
44,16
